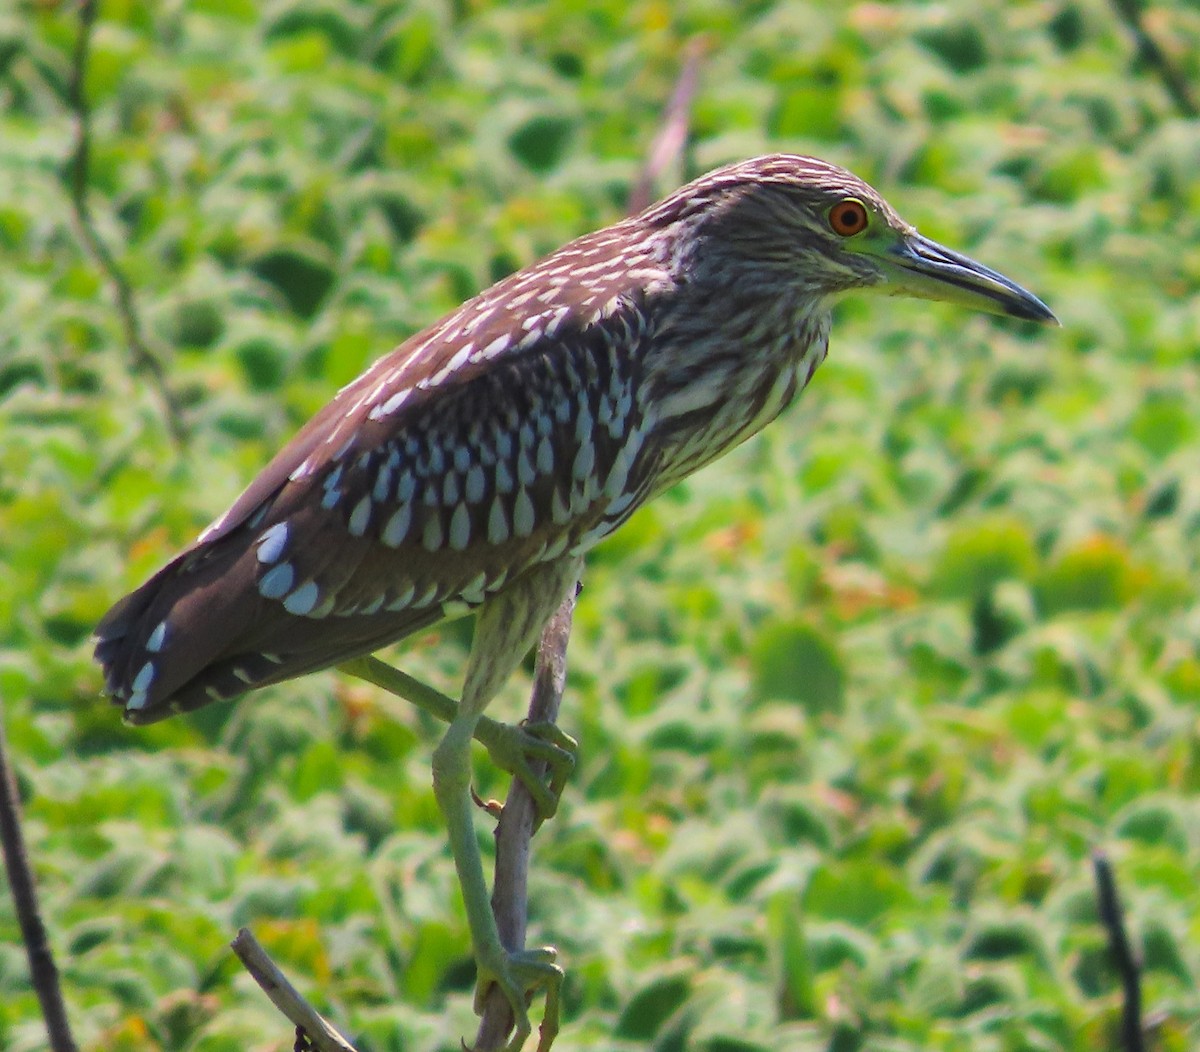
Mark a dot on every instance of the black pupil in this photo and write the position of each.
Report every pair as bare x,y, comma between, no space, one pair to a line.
849,217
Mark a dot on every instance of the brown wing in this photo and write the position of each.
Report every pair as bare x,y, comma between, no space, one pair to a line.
505,436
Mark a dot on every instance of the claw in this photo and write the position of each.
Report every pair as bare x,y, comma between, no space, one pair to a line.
519,975
493,807
523,749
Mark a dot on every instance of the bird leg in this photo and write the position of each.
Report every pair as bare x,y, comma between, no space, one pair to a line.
514,749
506,628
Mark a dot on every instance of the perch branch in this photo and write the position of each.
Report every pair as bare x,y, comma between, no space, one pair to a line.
517,824
311,1028
1113,919
24,892
144,360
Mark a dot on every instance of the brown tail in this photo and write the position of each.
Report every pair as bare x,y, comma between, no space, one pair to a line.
191,635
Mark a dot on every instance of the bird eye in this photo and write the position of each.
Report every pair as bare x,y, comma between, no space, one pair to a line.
848,217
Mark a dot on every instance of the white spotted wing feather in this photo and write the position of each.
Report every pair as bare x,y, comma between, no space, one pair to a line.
507,435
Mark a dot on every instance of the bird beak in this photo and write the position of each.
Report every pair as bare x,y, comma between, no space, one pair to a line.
916,266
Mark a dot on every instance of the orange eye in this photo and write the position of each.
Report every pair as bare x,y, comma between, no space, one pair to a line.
848,217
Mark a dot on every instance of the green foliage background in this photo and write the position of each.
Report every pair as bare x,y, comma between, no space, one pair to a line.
855,703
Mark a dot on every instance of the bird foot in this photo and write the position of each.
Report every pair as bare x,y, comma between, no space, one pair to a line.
519,975
541,755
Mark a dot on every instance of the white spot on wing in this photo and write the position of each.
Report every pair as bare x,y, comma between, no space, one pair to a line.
332,493
422,601
583,422
272,543
525,472
141,682
475,484
497,527
460,528
157,638
614,485
545,456
391,405
277,581
402,600
496,346
383,480
406,487
523,514
473,592
397,526
585,460
360,518
303,599
560,514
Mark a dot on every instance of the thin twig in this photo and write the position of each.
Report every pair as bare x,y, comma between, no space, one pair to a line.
518,822
42,969
309,1023
1175,83
144,360
672,136
1113,919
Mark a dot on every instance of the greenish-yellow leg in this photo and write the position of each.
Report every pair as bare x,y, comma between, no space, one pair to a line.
512,748
506,628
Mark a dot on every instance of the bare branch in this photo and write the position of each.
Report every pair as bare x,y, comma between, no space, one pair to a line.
672,137
144,360
1113,919
24,892
311,1028
1149,51
517,824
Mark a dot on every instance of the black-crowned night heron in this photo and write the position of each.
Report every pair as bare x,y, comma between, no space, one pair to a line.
475,466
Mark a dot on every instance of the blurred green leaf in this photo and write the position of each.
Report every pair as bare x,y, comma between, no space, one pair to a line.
794,661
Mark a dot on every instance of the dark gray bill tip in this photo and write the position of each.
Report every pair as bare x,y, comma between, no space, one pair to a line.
1029,308
936,272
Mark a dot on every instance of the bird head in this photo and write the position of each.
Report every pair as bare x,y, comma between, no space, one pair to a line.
804,224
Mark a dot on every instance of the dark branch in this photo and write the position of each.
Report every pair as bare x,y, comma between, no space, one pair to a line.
1149,51
24,893
1113,919
144,360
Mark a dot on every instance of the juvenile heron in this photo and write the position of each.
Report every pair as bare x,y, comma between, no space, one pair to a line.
474,466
